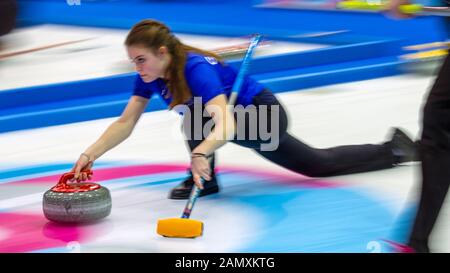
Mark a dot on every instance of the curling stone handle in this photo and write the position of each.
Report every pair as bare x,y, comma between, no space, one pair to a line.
70,175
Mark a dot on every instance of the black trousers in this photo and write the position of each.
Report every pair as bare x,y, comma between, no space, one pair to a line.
435,156
292,153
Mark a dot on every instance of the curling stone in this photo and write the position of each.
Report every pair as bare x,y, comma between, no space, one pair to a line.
76,202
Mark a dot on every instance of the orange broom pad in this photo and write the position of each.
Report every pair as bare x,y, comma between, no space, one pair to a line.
180,228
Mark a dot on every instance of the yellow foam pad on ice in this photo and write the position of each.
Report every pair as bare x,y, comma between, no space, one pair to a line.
425,55
179,228
363,5
358,5
411,8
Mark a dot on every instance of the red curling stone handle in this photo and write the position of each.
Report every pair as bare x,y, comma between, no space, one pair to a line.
62,185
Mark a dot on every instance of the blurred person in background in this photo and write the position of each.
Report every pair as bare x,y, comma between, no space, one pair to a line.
8,13
434,152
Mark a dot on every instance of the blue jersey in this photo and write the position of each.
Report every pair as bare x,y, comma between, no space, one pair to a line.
206,78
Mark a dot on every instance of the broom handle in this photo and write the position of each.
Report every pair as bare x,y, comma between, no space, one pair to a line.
243,70
235,90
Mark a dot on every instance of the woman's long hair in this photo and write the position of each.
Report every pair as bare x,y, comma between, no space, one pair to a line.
152,35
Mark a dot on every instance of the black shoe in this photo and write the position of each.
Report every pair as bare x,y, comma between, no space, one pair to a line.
403,147
183,191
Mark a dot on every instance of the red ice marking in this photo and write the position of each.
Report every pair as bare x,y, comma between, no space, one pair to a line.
105,174
30,232
115,173
398,247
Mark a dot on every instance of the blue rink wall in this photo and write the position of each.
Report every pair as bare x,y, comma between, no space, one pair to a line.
368,48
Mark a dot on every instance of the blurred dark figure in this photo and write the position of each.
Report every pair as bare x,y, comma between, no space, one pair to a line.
434,152
8,13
